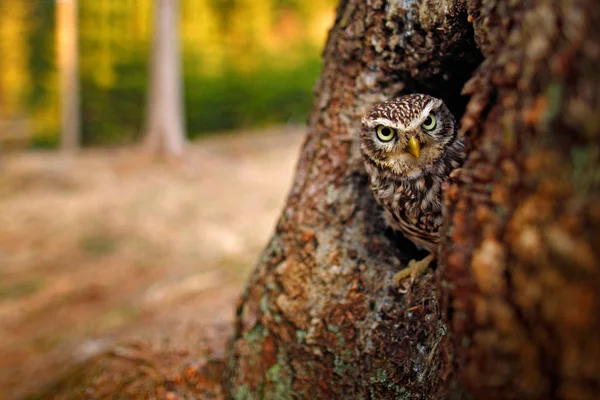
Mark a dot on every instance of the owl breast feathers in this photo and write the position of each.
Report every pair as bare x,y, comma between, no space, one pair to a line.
410,147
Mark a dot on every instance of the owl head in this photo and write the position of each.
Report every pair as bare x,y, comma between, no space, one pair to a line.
407,134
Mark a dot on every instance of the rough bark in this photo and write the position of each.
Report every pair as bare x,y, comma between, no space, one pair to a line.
165,131
66,13
522,261
511,310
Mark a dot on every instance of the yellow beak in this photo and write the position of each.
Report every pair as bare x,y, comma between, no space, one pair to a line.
414,147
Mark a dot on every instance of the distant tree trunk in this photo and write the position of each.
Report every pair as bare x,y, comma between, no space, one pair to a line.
69,73
164,121
511,312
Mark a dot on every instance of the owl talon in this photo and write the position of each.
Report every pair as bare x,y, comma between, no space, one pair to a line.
413,153
414,269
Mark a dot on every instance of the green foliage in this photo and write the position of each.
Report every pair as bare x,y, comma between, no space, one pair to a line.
263,96
114,114
41,59
245,64
45,141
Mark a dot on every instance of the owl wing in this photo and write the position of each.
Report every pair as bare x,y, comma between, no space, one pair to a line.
421,236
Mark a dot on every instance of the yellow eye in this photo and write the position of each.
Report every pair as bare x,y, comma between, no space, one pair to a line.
385,133
429,123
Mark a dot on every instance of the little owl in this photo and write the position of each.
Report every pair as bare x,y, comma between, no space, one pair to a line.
410,147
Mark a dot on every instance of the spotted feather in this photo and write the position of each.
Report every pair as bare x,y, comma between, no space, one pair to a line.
409,187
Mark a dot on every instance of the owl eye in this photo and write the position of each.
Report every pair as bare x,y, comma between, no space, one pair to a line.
385,133
429,123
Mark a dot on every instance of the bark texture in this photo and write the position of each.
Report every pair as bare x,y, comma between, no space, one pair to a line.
511,310
522,259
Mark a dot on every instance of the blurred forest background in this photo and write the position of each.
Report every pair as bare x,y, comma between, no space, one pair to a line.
246,63
106,243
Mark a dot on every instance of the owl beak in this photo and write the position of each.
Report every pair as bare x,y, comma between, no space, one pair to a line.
414,147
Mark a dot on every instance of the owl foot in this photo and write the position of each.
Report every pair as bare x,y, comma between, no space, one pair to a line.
414,269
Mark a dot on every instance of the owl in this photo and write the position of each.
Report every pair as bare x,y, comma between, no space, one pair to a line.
410,146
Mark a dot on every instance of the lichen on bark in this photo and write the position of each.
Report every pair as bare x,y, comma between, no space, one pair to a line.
322,295
522,255
509,312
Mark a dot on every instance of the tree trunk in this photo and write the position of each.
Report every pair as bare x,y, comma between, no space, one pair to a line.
165,131
66,12
511,310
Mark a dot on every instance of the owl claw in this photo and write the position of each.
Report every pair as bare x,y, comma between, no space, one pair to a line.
414,269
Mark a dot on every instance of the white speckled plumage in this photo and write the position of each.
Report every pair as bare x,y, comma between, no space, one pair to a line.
409,187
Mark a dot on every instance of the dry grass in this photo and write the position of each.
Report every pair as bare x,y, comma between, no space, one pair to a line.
96,245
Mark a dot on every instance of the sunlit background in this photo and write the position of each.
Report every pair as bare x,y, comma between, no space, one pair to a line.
105,244
246,63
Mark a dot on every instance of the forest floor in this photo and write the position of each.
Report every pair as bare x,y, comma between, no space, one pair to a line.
108,247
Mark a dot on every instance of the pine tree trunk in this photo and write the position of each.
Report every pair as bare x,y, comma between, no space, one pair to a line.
66,12
165,132
511,311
